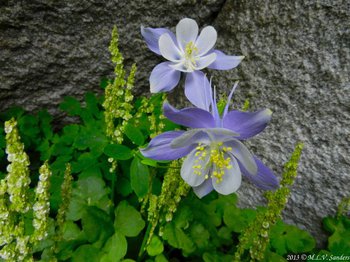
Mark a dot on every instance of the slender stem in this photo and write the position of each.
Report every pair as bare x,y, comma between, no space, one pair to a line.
114,177
144,241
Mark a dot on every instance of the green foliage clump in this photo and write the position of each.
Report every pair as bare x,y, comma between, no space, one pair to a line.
96,198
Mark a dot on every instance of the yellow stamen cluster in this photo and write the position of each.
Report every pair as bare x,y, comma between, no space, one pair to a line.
220,163
201,154
190,51
217,160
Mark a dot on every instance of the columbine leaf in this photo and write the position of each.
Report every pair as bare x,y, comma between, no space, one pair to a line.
273,257
128,220
177,238
92,138
238,219
118,152
92,104
139,177
70,132
71,106
85,161
45,122
287,238
28,125
338,242
71,231
200,235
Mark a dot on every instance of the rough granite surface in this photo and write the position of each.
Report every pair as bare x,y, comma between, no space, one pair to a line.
50,49
297,64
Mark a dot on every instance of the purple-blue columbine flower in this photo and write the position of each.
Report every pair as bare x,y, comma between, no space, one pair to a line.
215,156
186,52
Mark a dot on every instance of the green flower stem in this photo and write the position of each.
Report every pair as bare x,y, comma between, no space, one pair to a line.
144,242
344,206
66,193
14,199
41,208
114,181
256,236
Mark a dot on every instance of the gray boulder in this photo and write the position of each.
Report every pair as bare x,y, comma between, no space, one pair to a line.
50,49
297,64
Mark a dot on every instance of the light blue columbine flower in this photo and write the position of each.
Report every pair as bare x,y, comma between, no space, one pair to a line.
188,53
216,158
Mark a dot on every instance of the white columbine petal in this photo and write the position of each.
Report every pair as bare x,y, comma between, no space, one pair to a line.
168,49
204,189
195,168
204,61
192,136
243,155
231,180
206,40
186,31
181,67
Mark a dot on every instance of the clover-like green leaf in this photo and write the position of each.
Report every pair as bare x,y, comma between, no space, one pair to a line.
216,257
124,188
134,134
139,177
118,152
161,258
128,220
89,191
96,224
115,248
149,162
86,253
155,247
